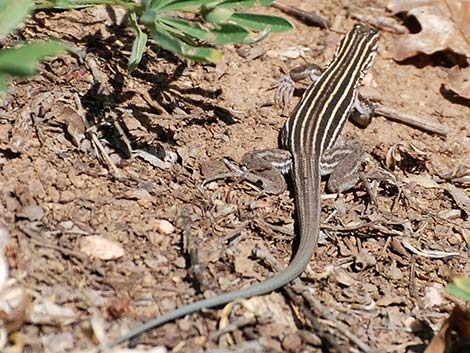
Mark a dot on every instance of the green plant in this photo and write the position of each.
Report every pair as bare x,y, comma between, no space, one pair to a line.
460,287
213,22
21,60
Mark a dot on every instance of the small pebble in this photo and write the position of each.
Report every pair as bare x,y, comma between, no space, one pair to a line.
212,186
176,279
101,248
180,262
292,343
184,325
164,227
32,212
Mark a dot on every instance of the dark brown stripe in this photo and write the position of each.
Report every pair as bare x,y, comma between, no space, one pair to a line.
319,117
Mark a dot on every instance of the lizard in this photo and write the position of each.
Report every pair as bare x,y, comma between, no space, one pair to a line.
311,131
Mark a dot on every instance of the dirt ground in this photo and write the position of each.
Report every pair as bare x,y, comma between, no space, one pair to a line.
107,243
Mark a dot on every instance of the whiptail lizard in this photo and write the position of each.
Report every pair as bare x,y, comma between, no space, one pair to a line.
311,130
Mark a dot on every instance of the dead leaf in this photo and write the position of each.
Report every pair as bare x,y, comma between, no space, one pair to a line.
394,272
438,343
458,81
460,197
64,114
426,181
389,298
364,259
167,163
343,278
432,254
287,54
74,125
245,267
445,25
406,156
453,334
22,133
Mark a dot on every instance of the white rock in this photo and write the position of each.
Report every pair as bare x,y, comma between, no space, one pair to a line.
49,313
101,248
433,296
164,227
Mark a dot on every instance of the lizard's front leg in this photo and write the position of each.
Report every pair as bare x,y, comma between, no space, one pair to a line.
362,111
286,84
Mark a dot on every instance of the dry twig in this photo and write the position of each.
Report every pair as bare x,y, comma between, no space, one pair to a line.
309,18
91,133
415,121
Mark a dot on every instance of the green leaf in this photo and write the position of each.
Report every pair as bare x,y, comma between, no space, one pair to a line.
153,4
78,4
183,27
460,287
145,4
257,36
149,17
187,5
458,292
176,45
22,61
230,33
222,34
237,4
216,15
191,5
157,4
139,43
175,32
261,22
12,14
63,4
3,83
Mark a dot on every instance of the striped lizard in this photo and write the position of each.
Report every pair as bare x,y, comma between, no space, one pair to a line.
311,131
